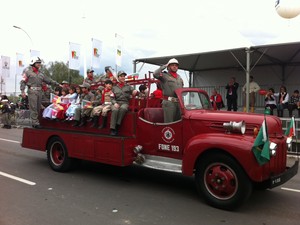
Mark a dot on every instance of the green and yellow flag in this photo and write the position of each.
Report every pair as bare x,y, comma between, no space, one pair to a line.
261,146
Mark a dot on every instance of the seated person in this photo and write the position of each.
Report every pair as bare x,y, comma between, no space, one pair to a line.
105,107
216,100
75,94
270,101
120,103
294,103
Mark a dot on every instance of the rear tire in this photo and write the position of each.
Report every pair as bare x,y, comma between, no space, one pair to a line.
57,155
222,181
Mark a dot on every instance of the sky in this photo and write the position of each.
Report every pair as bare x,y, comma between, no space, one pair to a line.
149,28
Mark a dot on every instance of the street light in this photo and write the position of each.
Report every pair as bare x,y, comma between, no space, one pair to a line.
20,28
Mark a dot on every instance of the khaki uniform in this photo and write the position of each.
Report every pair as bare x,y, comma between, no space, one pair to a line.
122,97
79,112
169,84
34,81
105,107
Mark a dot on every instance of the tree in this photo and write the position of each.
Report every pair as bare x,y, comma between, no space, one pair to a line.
59,71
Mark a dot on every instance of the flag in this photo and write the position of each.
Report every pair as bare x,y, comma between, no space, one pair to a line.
133,76
291,131
261,146
96,53
85,104
54,98
119,46
20,63
5,66
74,56
34,53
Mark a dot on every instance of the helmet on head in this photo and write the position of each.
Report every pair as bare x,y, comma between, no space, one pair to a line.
34,60
173,61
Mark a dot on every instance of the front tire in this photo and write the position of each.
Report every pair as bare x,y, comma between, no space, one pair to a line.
57,155
222,181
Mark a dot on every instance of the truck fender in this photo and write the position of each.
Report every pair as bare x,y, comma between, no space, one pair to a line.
236,145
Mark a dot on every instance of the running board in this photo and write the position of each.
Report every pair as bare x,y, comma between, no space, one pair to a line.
162,163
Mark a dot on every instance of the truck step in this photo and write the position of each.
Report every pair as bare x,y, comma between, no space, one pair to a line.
162,163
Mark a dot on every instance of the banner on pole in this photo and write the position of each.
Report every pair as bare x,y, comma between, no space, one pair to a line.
5,66
20,64
74,56
96,53
119,46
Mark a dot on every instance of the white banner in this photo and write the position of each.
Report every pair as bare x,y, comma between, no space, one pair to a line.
20,63
5,66
119,46
74,56
34,53
96,53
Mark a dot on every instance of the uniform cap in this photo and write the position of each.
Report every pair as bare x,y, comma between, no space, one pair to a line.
85,85
90,71
173,61
64,82
121,72
107,68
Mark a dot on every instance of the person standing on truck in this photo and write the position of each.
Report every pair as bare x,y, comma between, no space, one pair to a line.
109,75
90,79
120,103
170,81
231,94
33,79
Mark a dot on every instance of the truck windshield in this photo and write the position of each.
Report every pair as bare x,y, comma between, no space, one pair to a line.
195,100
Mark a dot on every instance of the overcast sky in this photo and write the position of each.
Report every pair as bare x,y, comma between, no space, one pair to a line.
149,28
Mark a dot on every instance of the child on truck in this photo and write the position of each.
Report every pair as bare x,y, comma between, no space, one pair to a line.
105,107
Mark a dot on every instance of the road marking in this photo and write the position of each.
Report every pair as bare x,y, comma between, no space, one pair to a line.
1,139
17,178
290,189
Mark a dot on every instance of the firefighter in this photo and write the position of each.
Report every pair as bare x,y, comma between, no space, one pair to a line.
120,103
170,81
33,79
109,75
90,79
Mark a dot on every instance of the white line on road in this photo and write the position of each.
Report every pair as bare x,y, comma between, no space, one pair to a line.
290,189
1,139
17,178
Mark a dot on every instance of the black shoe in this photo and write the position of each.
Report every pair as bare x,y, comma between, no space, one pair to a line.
75,124
37,126
104,122
113,132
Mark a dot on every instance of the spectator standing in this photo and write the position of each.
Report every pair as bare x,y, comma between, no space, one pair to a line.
253,88
231,94
294,103
270,101
7,110
283,100
170,81
33,79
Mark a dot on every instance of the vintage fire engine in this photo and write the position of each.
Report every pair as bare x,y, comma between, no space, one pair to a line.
213,146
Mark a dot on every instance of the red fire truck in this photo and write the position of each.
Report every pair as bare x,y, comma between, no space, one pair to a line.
213,146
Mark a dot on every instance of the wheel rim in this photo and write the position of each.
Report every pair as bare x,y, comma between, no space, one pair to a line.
220,181
57,154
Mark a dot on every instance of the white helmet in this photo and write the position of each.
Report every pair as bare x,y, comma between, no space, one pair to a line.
34,60
172,61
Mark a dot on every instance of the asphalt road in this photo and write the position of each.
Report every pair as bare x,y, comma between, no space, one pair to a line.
101,194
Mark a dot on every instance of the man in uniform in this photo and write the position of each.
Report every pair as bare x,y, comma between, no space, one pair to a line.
108,75
90,79
33,79
120,103
170,81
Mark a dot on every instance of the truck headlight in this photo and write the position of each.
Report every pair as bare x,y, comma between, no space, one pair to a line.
273,148
289,142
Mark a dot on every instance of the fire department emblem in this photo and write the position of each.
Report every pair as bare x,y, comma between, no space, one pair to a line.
168,134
